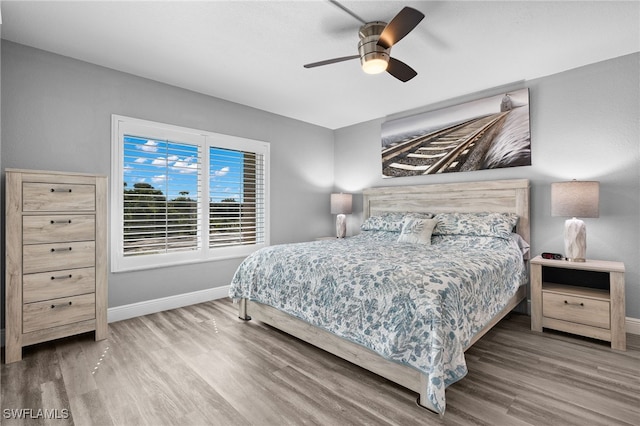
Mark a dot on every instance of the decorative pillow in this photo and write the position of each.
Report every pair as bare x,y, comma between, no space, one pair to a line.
480,224
416,230
391,221
384,222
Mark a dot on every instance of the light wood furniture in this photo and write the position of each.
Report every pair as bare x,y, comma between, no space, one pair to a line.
509,196
585,298
56,260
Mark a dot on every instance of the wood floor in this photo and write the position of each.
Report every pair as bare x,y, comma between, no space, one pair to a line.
201,365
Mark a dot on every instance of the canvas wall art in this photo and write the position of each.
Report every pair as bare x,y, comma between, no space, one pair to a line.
488,133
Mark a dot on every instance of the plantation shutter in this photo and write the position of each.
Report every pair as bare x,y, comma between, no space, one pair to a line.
161,196
236,197
182,195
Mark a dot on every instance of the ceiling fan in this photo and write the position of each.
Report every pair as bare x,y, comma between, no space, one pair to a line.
376,40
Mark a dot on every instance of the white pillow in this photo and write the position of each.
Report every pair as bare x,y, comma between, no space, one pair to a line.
417,230
521,243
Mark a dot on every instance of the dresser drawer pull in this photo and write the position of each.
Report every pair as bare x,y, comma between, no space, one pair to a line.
53,306
62,277
60,222
61,249
577,304
60,190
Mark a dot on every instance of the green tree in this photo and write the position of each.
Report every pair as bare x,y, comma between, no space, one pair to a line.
149,215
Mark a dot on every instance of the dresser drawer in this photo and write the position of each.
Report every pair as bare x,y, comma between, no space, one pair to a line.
581,310
58,228
56,312
51,285
40,197
58,256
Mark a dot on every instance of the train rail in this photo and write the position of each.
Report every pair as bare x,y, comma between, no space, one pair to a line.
456,148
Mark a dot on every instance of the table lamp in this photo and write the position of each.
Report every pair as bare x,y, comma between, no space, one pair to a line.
341,205
575,199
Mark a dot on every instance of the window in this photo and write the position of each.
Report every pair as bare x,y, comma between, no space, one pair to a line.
181,195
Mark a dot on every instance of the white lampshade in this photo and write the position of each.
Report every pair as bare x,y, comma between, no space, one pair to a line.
575,199
341,203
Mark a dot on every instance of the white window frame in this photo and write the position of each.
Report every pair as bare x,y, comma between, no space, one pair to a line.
121,125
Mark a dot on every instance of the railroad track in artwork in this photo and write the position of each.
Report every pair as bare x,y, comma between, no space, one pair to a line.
455,148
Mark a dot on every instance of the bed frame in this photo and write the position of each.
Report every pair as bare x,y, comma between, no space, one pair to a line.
509,196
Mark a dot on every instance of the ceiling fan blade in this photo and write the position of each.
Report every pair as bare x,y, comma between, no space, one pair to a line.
331,61
401,25
400,70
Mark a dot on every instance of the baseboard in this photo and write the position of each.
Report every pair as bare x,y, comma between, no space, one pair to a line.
147,307
633,325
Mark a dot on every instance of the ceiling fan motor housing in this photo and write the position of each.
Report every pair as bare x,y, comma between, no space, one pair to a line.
368,45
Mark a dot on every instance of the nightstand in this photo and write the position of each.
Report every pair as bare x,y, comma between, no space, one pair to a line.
585,298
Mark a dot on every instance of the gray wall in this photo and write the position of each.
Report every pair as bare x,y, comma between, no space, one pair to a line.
56,115
584,125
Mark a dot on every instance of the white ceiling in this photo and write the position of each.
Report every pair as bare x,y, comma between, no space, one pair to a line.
252,52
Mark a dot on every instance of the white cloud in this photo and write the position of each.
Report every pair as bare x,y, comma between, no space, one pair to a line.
140,160
186,165
150,146
223,171
159,178
160,161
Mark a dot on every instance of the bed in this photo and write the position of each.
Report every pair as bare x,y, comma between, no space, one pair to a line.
432,270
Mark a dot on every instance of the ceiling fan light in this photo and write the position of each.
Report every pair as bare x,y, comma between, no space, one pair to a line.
374,58
375,66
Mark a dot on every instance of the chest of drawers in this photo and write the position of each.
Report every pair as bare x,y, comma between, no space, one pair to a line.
56,264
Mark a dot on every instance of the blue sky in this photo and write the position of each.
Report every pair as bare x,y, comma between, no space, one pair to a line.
172,167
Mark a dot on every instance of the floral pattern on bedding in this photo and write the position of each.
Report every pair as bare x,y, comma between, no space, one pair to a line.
478,224
415,304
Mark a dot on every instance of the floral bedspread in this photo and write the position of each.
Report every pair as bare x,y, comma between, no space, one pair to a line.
418,305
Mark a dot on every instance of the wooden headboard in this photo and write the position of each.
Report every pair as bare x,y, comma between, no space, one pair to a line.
506,196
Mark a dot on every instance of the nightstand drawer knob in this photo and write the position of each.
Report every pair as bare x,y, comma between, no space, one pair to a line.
567,303
62,277
53,250
53,306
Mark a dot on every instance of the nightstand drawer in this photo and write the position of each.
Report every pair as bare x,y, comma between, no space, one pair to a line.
43,197
51,285
581,310
58,256
58,228
56,312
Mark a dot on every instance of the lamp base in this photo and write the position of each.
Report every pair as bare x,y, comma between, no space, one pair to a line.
341,226
575,240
